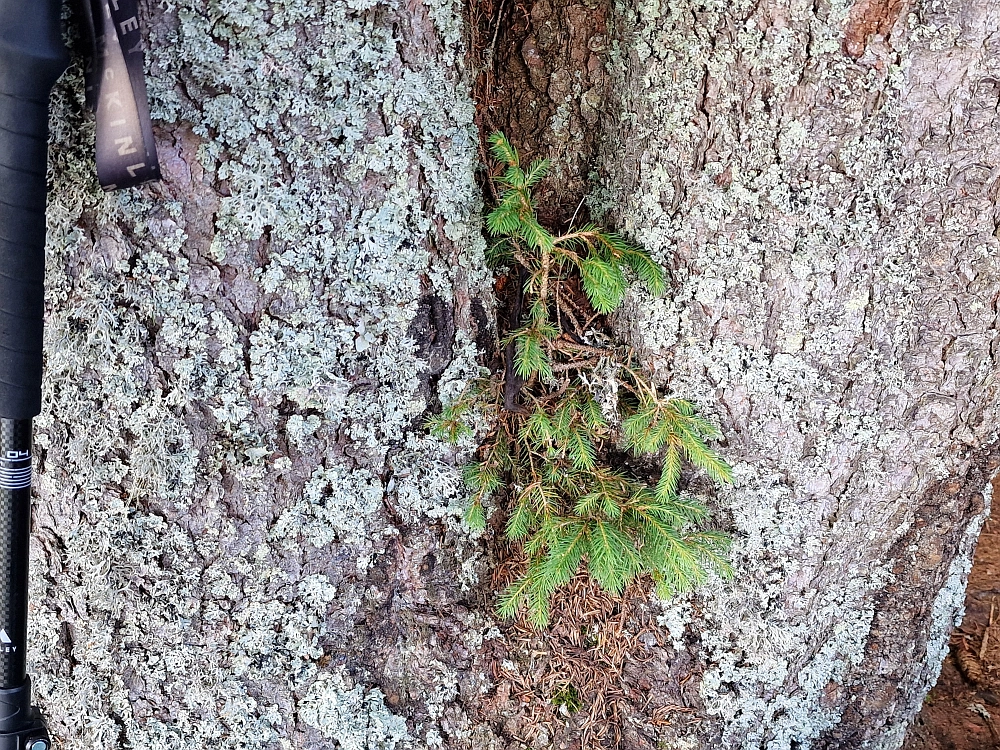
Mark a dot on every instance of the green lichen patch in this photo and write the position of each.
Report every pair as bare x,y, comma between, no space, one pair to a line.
809,249
230,372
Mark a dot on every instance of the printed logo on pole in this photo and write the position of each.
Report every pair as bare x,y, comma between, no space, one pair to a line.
15,473
6,644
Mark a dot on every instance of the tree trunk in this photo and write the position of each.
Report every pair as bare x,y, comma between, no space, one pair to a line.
242,530
244,538
826,200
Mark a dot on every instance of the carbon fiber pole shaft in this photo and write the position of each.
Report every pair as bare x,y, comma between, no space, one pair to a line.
15,522
21,725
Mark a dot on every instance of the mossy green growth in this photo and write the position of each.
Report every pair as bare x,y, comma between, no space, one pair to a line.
568,406
568,697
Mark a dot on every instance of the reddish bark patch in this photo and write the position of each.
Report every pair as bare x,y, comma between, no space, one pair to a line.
867,18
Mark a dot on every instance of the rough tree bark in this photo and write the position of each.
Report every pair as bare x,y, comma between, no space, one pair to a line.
241,528
823,180
243,538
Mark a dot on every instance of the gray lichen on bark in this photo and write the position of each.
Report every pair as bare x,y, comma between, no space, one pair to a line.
830,224
242,535
238,360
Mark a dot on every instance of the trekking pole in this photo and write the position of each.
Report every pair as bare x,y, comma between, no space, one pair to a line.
32,57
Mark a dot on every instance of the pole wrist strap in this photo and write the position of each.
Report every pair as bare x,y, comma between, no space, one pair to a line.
116,92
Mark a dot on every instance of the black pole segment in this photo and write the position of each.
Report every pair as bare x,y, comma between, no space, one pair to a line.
21,726
15,525
32,57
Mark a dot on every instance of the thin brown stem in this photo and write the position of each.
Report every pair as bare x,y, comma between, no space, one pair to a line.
543,287
562,345
579,365
563,304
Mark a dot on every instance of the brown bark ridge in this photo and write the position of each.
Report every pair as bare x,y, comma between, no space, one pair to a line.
867,18
541,80
831,225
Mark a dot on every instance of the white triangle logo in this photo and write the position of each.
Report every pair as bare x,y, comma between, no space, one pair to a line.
4,638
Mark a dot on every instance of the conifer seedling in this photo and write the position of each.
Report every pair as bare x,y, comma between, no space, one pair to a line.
571,503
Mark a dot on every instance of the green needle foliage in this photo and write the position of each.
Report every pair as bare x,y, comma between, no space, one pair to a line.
554,453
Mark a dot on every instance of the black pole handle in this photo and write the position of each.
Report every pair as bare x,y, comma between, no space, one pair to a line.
32,57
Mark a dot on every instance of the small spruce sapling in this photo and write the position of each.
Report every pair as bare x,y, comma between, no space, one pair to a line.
569,504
